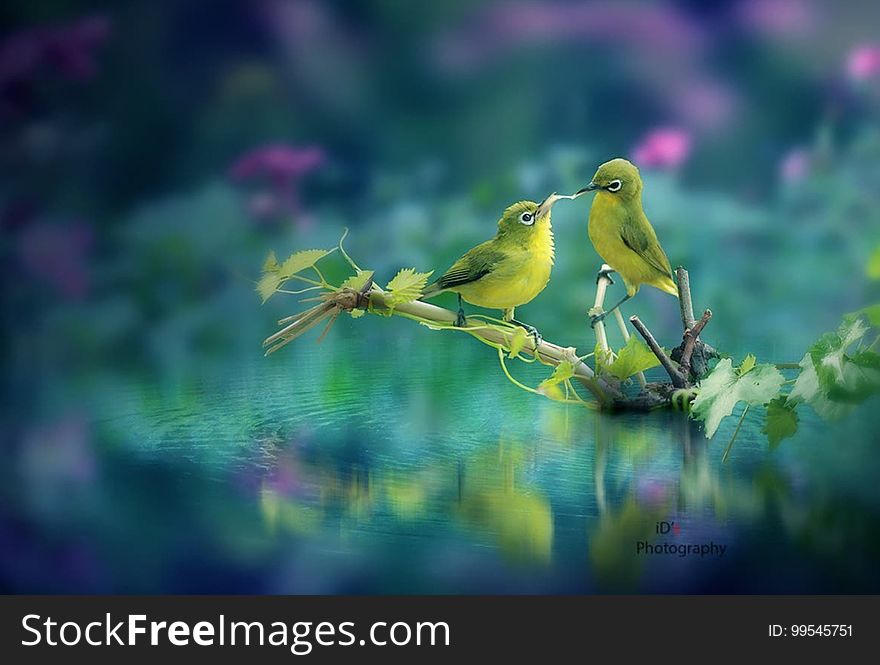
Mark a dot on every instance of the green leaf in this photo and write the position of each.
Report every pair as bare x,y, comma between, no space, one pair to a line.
747,365
299,261
807,389
517,341
357,313
406,286
829,352
781,422
267,285
358,280
873,269
723,389
564,371
633,358
871,313
271,263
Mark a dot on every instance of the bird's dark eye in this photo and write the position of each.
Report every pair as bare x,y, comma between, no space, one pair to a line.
614,186
527,218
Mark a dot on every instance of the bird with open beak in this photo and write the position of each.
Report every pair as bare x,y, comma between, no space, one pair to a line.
508,270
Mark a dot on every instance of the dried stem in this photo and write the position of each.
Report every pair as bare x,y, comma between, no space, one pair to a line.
684,298
690,339
677,380
602,284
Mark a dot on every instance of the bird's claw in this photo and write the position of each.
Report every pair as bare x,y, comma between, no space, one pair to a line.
596,318
461,320
606,273
535,335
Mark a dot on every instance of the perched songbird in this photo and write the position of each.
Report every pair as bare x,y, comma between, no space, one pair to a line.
622,234
510,269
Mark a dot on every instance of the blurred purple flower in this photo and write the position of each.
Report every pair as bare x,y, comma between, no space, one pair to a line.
282,167
58,453
782,18
863,62
508,25
69,49
703,104
665,147
795,165
57,255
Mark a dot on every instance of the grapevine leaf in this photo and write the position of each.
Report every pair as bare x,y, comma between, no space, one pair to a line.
517,341
358,280
564,371
723,389
871,313
781,422
747,365
633,358
299,261
406,286
271,263
807,389
267,285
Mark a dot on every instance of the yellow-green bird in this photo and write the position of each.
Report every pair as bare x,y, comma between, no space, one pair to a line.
510,269
622,234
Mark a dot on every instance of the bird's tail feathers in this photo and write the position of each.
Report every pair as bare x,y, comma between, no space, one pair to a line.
667,284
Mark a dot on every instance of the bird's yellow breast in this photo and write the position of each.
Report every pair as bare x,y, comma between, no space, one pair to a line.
519,277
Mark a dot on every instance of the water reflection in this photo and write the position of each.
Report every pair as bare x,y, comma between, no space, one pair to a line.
381,483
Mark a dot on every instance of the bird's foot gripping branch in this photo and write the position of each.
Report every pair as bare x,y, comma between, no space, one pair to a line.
839,371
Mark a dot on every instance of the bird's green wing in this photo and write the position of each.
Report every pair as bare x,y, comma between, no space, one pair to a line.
476,263
639,236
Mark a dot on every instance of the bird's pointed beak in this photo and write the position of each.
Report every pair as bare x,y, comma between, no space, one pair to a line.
545,205
589,188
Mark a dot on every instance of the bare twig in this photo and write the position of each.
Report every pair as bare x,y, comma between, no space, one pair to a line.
691,336
677,380
684,298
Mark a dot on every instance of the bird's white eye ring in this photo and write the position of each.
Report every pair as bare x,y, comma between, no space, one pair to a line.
527,218
614,186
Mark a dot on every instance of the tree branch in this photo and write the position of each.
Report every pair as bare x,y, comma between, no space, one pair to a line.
690,339
684,298
677,380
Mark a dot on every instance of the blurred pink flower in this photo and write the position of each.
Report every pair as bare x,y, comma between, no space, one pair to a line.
57,255
863,62
281,167
703,104
665,147
795,165
68,48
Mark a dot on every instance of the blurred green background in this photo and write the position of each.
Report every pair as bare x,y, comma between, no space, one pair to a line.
153,152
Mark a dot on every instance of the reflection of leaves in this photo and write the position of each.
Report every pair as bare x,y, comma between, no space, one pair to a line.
781,422
633,358
406,286
723,389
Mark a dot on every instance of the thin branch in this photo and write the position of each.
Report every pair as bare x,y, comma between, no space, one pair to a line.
690,340
676,378
684,298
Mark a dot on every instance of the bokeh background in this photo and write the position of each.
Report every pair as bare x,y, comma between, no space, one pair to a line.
152,153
